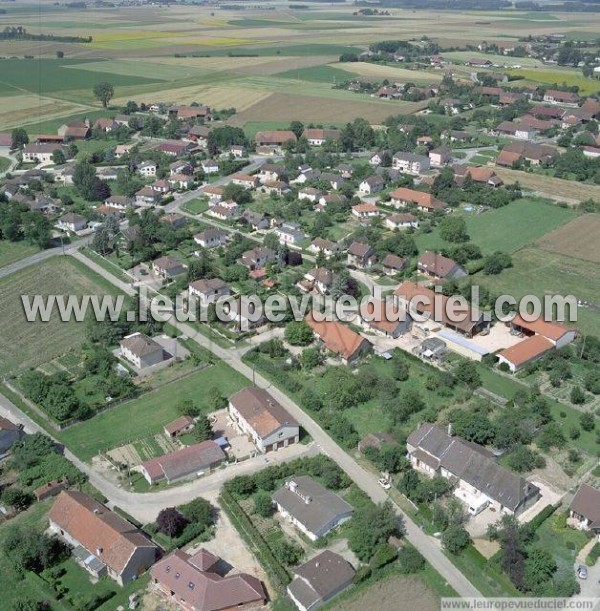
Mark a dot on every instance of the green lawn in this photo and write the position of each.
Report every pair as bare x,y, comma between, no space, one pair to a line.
147,414
88,147
195,206
4,164
507,229
561,541
15,251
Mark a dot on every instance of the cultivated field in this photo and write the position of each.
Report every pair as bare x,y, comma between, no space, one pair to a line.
556,188
397,593
379,72
579,239
29,344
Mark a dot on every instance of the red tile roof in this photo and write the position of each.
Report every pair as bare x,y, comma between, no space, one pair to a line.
550,330
527,350
97,528
337,337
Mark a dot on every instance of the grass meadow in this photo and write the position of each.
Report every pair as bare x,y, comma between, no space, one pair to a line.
507,229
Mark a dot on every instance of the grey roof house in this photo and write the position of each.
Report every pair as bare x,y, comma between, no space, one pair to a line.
319,580
311,507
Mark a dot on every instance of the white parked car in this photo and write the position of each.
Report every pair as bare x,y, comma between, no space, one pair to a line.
384,483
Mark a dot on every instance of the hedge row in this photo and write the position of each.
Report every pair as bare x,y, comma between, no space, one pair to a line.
277,573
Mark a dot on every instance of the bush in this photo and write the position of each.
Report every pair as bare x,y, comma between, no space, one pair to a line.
170,522
263,504
363,573
410,560
287,552
383,555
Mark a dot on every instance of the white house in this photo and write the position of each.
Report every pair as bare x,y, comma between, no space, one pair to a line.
263,419
147,169
141,350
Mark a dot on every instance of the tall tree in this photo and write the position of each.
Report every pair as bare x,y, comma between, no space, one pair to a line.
104,92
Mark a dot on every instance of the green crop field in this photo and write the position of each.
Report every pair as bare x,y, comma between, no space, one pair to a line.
146,415
559,77
43,76
507,229
29,344
318,74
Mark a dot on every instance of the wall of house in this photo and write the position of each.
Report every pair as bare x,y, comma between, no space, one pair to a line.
141,560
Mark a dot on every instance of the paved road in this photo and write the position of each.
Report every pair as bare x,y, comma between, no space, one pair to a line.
428,546
146,506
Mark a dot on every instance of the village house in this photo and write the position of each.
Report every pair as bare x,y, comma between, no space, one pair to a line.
290,233
209,290
122,149
256,220
76,130
401,221
421,302
480,481
40,153
179,426
386,318
223,212
174,220
147,169
393,264
147,196
72,222
210,166
318,279
274,139
319,580
535,154
477,174
361,255
119,202
141,350
194,583
10,433
540,338
244,180
187,463
174,148
105,125
277,187
440,156
198,134
318,136
180,181
365,211
310,507
334,198
585,509
211,238
260,416
214,193
515,130
339,339
160,186
103,542
190,113
257,257
310,194
403,196
327,247
168,267
437,266
377,158
564,98
237,150
372,184
270,172
180,167
410,163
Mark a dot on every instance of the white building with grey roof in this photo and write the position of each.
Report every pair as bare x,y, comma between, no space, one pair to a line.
480,481
310,507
